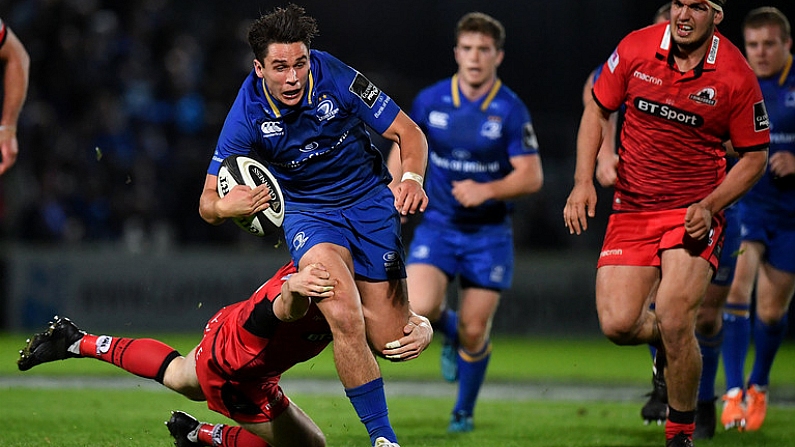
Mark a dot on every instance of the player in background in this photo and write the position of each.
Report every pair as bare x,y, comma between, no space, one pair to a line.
483,153
685,88
767,214
306,114
16,71
237,365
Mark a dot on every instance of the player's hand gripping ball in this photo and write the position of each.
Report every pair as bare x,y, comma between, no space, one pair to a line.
240,170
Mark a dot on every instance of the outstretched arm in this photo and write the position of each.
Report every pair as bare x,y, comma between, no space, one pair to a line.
15,88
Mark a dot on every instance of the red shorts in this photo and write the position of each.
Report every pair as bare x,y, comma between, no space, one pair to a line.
639,238
237,396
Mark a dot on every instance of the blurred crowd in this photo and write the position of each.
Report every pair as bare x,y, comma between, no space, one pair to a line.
125,102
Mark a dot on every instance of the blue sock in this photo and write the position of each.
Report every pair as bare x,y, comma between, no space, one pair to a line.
471,372
448,325
710,356
767,340
736,338
369,401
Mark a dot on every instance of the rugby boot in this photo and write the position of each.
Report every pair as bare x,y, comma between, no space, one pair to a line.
656,408
383,442
184,428
755,407
460,422
680,440
705,420
733,414
50,345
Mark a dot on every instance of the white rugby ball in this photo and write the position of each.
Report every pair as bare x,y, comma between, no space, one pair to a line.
240,170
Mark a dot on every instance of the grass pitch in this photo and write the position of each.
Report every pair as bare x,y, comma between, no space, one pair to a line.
91,416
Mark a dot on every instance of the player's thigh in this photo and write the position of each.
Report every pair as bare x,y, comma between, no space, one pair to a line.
292,428
622,294
683,283
748,259
476,313
427,288
346,299
181,376
386,310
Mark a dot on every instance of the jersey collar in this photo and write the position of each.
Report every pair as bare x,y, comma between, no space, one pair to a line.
455,91
707,63
275,105
785,72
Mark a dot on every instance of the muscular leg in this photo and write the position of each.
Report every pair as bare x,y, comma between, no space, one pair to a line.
355,363
427,287
181,377
476,312
622,306
682,287
386,311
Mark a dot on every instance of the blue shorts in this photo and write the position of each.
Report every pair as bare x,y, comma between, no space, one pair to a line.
370,230
483,258
731,248
775,233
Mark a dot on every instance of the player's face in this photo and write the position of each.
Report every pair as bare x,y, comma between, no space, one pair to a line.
692,22
766,50
477,57
285,71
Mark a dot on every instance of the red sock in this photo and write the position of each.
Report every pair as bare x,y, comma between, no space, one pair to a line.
672,429
221,435
143,357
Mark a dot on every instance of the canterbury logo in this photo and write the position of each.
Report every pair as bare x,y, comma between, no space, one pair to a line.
271,128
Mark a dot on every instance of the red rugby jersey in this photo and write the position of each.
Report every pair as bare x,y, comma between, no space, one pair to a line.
671,154
3,32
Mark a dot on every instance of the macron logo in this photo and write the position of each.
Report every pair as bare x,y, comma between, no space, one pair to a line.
647,78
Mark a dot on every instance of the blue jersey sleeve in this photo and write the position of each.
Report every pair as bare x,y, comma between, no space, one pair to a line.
519,130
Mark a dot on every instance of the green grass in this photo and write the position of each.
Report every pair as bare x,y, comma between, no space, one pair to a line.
122,418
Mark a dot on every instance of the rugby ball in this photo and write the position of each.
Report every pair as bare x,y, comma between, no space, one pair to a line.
240,170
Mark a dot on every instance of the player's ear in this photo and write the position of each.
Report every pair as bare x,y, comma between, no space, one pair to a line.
259,69
718,17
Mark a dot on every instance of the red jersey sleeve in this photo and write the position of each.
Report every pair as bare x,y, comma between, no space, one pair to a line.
749,126
610,89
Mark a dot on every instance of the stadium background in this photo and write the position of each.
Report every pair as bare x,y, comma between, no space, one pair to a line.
99,216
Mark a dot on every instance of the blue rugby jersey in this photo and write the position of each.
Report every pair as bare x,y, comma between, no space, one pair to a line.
470,140
771,194
320,150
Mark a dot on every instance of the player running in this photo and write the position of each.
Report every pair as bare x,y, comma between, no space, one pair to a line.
685,88
483,153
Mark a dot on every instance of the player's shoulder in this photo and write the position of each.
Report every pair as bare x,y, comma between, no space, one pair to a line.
436,89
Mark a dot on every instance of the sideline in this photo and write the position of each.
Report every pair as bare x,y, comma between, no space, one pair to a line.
513,391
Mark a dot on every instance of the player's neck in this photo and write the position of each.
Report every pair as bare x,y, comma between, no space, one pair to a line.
474,91
687,57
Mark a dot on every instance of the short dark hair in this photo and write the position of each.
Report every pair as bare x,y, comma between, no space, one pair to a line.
478,22
282,25
768,15
663,11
